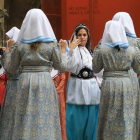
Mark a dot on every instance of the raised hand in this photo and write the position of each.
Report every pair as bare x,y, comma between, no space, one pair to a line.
74,43
10,43
63,45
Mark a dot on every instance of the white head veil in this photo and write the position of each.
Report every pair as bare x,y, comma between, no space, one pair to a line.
125,19
13,33
36,28
114,34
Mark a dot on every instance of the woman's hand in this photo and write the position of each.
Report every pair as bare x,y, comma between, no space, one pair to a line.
4,49
63,45
10,43
74,43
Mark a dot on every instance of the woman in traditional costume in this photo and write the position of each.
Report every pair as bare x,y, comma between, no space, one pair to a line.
118,105
125,19
83,95
59,81
8,108
37,107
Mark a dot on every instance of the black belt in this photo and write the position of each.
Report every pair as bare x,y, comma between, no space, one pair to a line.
84,73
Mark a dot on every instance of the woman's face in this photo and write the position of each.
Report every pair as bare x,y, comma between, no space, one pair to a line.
6,39
83,37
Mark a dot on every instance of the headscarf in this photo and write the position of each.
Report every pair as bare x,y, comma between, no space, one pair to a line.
36,28
13,33
114,35
125,19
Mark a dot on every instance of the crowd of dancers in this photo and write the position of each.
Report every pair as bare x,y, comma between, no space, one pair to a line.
103,98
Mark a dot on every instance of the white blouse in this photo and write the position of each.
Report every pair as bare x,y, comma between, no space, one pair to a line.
80,91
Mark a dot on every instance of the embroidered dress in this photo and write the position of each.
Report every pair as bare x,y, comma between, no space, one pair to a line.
125,19
36,112
9,104
133,42
37,106
118,106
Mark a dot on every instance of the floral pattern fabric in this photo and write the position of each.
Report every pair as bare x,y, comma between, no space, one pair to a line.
119,100
36,115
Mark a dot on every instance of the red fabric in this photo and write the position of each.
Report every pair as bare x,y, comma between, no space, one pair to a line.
59,82
3,81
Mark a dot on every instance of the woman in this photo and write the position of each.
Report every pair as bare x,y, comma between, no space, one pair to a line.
8,108
118,105
59,81
3,80
83,94
125,19
37,108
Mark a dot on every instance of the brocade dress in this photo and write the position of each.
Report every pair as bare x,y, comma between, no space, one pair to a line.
119,102
37,107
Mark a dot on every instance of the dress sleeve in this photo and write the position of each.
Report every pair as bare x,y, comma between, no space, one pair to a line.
72,57
59,59
136,61
97,60
12,59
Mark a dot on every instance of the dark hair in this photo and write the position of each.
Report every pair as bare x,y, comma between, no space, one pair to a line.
34,46
0,66
117,47
83,26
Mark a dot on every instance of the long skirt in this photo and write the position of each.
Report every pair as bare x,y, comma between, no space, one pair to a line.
118,110
8,110
36,114
81,122
62,104
136,89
